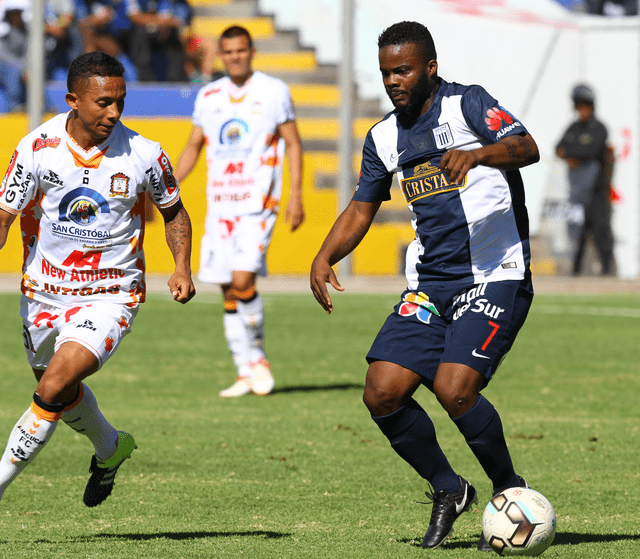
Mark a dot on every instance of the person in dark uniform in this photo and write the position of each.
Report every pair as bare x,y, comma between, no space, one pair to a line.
456,153
590,165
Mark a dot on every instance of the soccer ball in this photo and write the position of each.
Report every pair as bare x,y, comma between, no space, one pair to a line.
519,521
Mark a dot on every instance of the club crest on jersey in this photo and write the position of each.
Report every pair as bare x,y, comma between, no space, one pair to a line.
443,136
119,185
427,180
232,131
82,206
44,142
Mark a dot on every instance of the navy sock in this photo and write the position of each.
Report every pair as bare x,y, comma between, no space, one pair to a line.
413,436
482,429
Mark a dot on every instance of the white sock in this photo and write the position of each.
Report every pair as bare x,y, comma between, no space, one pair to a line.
84,416
26,440
237,342
252,315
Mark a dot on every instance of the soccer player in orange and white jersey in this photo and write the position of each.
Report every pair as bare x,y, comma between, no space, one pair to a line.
79,182
246,121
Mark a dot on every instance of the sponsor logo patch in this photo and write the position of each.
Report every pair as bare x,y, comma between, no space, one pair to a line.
5,180
232,131
44,142
427,180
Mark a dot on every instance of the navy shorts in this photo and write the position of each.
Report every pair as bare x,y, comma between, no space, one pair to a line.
474,326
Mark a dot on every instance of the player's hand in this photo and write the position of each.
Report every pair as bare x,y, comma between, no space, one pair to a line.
457,163
294,214
181,287
321,274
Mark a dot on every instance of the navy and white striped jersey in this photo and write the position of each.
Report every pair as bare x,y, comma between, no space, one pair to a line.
470,233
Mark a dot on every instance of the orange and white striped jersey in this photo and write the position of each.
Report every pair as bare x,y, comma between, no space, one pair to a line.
244,152
83,212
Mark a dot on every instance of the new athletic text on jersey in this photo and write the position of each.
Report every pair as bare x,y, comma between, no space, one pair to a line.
244,152
469,233
83,212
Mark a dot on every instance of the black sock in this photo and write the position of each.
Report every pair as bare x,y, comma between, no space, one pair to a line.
482,429
413,436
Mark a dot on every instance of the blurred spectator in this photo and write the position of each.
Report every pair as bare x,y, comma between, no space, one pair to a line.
106,26
199,51
63,41
589,158
156,47
613,7
13,53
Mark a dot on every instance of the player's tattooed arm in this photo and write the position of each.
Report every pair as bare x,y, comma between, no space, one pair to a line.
521,150
178,233
511,152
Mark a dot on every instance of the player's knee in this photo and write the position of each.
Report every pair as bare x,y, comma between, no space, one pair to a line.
454,401
57,389
381,401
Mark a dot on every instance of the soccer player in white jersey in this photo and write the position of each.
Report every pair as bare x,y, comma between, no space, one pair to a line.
456,153
79,182
246,121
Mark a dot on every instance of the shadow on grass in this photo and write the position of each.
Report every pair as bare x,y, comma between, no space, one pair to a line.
564,538
326,388
178,536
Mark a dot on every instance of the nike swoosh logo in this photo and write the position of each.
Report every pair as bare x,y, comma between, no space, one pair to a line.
395,158
461,505
476,354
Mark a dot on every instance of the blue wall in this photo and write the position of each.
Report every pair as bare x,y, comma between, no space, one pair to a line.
142,100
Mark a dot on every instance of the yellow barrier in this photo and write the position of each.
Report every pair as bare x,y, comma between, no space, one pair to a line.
290,253
258,27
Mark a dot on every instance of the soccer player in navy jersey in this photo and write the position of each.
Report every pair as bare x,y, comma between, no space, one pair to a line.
456,153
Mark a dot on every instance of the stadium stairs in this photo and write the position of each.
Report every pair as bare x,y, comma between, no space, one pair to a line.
316,98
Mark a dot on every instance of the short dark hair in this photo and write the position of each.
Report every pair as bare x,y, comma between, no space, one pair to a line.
236,31
90,64
411,32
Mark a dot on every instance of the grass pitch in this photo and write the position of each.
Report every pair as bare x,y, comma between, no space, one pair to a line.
304,472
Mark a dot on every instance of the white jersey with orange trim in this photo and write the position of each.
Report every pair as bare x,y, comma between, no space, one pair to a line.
244,152
83,212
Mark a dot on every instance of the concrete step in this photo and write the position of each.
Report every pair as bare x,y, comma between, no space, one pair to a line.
258,27
225,9
282,41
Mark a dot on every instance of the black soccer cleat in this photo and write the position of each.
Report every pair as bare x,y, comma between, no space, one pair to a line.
103,473
483,544
447,507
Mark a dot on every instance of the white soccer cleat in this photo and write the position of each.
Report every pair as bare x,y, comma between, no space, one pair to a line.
240,387
261,378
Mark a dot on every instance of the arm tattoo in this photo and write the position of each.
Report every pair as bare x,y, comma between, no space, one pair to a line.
178,235
520,151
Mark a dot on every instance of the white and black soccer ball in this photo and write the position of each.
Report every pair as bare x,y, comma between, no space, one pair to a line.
519,521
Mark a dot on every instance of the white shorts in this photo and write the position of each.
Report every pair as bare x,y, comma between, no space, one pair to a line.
235,244
100,327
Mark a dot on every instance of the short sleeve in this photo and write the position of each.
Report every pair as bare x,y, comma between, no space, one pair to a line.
20,181
162,185
487,118
284,107
374,183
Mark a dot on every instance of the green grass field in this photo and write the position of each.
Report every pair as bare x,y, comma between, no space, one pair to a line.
304,472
